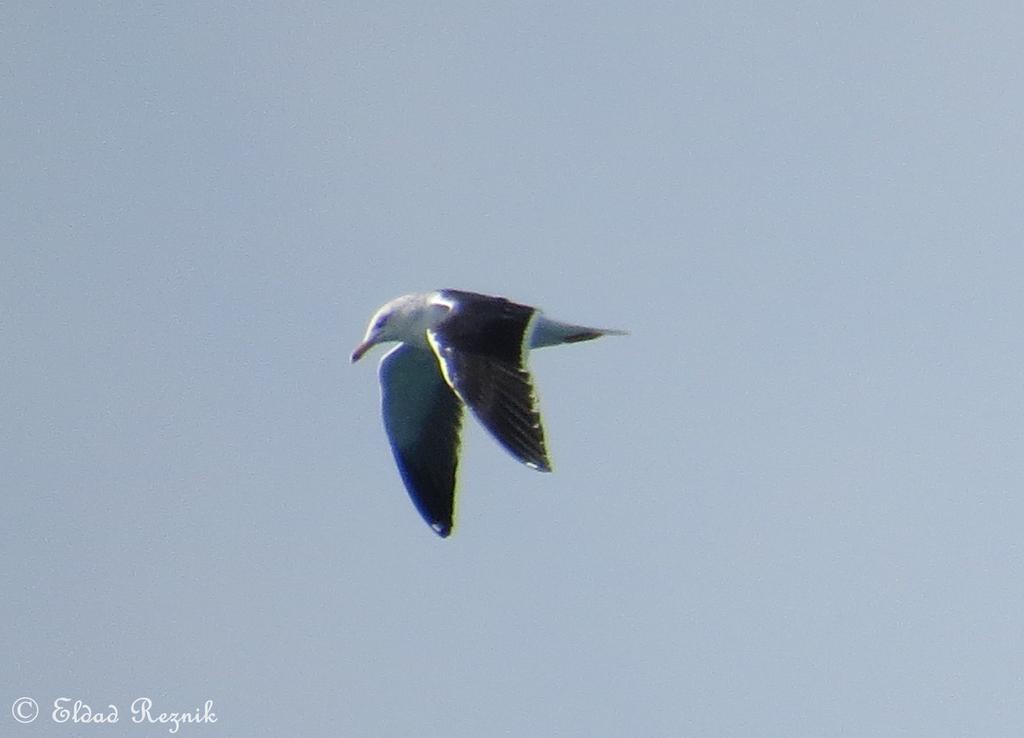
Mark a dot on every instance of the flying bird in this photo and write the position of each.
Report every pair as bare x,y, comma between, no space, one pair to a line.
459,348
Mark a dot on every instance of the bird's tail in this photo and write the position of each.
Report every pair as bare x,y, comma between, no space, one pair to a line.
548,332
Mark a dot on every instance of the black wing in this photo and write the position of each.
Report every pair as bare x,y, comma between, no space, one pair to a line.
423,418
482,349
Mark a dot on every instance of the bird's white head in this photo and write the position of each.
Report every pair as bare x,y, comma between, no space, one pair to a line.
406,318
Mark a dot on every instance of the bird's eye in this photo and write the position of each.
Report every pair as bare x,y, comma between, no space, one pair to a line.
381,322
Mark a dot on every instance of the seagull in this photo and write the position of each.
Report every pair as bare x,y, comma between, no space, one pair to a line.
459,348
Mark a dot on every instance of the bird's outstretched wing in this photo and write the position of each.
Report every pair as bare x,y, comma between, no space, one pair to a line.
423,418
481,346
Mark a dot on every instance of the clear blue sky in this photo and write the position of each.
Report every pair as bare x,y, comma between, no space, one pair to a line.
788,504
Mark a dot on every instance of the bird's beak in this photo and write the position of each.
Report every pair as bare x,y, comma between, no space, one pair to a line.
361,349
